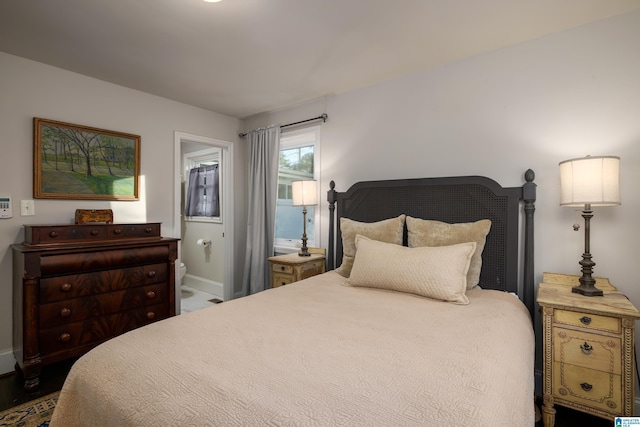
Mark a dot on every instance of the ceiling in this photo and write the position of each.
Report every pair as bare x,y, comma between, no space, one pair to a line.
242,57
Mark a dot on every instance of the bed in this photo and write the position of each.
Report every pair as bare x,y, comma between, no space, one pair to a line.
331,350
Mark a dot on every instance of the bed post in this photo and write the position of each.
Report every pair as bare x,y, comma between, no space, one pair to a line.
529,197
331,198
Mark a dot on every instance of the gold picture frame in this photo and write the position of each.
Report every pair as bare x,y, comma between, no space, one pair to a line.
84,163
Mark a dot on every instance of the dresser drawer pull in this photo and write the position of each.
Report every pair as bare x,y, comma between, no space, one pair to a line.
151,294
94,232
586,386
585,320
151,274
117,231
53,234
282,268
586,348
64,337
66,287
151,315
283,283
148,229
65,312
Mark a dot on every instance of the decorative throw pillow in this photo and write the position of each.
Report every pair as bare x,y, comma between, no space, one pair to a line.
423,232
436,272
388,230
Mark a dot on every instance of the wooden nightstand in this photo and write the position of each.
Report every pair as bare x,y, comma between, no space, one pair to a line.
290,268
587,348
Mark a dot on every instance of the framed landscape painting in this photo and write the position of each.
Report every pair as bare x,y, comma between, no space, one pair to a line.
84,163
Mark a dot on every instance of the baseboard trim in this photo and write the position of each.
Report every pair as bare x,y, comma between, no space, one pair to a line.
205,285
7,362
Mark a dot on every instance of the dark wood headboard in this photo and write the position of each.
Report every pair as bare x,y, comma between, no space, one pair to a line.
452,200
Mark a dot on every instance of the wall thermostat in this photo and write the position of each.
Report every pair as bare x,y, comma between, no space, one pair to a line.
6,209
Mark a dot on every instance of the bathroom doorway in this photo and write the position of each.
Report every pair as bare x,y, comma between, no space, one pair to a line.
206,246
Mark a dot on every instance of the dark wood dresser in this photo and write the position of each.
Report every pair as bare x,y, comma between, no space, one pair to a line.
76,286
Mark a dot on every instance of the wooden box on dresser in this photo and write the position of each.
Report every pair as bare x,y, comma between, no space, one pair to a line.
588,349
76,286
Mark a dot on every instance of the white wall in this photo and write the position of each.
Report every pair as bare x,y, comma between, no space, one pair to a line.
498,114
29,89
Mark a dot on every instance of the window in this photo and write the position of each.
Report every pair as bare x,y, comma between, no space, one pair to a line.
202,176
299,159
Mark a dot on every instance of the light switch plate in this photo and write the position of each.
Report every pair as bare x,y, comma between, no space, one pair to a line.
27,208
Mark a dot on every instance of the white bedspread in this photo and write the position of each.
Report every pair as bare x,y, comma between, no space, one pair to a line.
314,353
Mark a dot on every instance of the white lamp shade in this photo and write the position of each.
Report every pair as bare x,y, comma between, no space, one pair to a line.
590,180
305,193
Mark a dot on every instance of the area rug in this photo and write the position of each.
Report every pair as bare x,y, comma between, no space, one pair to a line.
35,413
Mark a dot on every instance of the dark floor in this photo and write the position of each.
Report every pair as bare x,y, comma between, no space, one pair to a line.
566,417
52,378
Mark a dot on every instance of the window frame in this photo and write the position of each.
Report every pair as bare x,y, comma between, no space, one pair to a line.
294,139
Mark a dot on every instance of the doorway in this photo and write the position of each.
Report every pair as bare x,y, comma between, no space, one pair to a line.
219,236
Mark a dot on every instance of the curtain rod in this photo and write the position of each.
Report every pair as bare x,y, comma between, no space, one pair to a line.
322,117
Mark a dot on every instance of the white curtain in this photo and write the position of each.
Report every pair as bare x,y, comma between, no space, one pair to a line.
264,154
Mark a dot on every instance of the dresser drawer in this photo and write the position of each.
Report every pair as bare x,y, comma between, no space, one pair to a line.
65,338
589,321
278,279
77,309
128,231
585,349
587,387
51,234
71,263
88,232
72,286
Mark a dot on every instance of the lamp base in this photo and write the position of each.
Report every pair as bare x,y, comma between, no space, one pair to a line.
587,290
304,253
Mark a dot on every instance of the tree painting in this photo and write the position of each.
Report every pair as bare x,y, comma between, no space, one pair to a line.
79,162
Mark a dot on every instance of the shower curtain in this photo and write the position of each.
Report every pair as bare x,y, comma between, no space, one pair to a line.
203,193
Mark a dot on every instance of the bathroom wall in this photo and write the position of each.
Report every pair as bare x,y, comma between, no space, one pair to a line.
205,264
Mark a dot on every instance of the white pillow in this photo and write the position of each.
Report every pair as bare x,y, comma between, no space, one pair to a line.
438,272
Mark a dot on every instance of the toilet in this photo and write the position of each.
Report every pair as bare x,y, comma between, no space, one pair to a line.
183,271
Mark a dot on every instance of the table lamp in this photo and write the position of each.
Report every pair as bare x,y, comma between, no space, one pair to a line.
305,193
589,182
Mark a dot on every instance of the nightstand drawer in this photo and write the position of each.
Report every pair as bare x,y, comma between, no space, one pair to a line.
584,349
587,387
590,321
282,268
278,280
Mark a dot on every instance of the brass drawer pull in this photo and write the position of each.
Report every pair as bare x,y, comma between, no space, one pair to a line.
151,274
151,294
64,337
117,231
148,229
585,320
94,232
66,287
586,386
586,348
53,234
151,315
65,312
